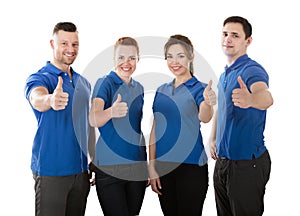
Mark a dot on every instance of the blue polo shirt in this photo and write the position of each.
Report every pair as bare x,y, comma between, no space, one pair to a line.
60,143
177,126
121,140
240,131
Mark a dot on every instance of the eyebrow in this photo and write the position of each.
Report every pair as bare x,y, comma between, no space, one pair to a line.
233,33
181,53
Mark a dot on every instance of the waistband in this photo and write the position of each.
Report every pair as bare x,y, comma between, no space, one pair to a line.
263,156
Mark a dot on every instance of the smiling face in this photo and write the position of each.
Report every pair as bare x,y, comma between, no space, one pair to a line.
65,47
234,41
126,57
178,61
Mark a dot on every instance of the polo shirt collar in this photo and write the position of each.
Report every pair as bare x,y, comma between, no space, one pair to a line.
192,81
118,80
56,70
237,63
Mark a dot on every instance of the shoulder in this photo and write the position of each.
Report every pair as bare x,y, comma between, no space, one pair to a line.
164,87
137,84
105,80
254,65
254,72
82,79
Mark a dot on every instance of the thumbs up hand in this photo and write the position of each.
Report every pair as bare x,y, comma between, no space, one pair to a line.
241,97
119,109
59,99
209,95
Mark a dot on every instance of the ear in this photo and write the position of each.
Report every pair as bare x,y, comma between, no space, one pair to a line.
249,41
191,58
52,43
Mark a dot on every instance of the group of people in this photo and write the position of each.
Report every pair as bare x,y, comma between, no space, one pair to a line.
68,111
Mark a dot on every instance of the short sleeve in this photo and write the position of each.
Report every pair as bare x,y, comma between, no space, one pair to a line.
255,73
33,81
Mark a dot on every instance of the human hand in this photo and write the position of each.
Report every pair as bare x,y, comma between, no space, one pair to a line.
241,97
59,99
119,109
92,169
213,149
209,95
154,181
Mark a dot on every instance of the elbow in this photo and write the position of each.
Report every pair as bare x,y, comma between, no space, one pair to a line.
269,102
205,116
92,120
204,119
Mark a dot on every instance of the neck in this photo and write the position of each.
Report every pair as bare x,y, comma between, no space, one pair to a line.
62,67
232,59
125,79
181,79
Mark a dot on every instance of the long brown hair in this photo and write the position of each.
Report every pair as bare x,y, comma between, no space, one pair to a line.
187,45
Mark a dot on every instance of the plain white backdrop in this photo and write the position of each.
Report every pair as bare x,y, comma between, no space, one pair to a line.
24,44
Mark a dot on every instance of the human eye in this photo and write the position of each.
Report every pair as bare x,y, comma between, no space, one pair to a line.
181,56
76,45
169,56
225,34
132,58
121,57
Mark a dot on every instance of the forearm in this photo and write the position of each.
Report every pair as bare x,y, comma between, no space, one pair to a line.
205,112
212,137
262,100
152,147
92,143
98,118
40,99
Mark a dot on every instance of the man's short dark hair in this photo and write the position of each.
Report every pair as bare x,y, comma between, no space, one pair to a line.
65,26
246,25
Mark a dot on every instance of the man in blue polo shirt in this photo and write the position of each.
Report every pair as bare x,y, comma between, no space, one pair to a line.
59,98
243,163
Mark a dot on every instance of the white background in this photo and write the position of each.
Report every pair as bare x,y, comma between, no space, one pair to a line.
26,28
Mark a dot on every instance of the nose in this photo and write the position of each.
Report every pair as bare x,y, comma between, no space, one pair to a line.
71,48
174,60
227,39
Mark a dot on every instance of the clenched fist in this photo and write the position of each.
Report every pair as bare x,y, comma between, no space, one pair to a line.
59,99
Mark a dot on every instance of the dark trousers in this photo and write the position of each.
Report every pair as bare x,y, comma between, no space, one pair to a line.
117,196
184,188
240,185
61,195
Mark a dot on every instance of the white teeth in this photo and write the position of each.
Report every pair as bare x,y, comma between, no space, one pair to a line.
69,55
126,69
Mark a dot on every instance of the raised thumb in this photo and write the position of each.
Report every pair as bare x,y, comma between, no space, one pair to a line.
241,82
209,85
59,84
119,98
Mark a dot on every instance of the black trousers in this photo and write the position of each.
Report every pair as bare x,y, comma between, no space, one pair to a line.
117,194
61,195
184,188
240,185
